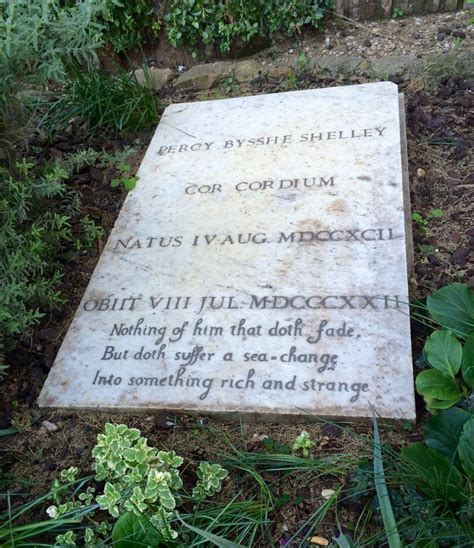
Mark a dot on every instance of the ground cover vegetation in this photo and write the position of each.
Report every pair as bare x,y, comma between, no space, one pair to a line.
66,164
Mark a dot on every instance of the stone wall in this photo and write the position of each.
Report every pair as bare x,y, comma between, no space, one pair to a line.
363,10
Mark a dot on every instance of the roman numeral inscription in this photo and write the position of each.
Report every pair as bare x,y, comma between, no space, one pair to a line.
259,268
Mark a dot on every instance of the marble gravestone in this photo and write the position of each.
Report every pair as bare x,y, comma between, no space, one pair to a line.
259,267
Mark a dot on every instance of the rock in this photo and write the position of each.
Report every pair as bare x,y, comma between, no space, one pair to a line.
364,66
154,77
246,71
441,36
460,256
396,65
280,72
49,426
420,173
341,64
367,43
459,33
203,76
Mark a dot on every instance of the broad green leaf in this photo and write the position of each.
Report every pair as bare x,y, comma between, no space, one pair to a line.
388,517
130,183
444,352
466,448
452,307
433,384
432,473
442,432
115,183
467,366
131,531
442,404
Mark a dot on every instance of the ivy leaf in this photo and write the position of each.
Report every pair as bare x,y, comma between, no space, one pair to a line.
444,352
435,385
467,366
452,307
433,474
442,432
115,183
466,448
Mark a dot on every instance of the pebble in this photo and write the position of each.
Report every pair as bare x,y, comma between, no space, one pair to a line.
420,173
459,34
327,493
49,426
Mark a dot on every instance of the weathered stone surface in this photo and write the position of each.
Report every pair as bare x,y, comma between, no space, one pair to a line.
155,77
204,76
246,71
259,267
279,72
338,64
405,65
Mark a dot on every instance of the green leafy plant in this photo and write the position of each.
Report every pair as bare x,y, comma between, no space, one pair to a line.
423,222
31,236
37,41
128,23
397,13
142,489
192,22
441,385
126,178
303,443
442,467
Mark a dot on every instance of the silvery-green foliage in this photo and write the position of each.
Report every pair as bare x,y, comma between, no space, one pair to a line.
139,479
210,480
303,443
141,488
37,37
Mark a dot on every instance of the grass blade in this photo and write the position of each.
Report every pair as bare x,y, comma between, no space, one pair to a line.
388,516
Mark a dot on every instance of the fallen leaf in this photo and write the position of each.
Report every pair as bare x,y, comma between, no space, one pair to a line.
327,493
320,541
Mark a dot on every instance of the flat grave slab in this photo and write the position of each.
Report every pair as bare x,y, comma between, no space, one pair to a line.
259,267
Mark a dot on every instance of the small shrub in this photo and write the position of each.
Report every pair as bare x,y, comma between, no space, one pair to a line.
128,23
142,489
192,22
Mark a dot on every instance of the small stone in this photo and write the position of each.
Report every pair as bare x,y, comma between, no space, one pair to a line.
181,69
460,256
320,541
203,76
420,173
49,426
459,34
441,36
154,77
246,71
327,493
280,72
367,43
